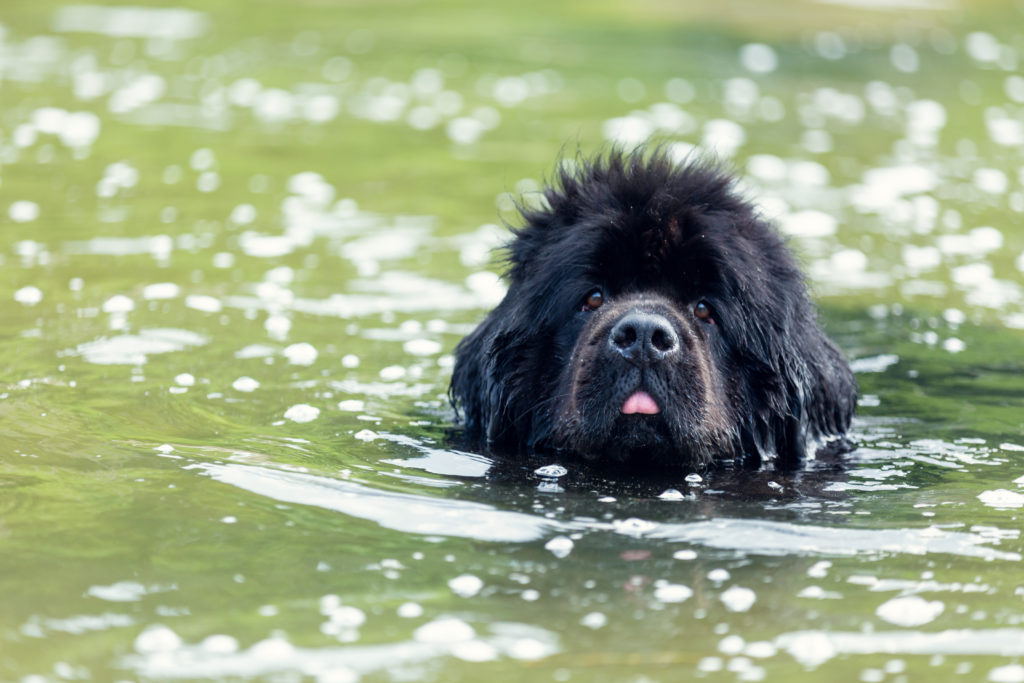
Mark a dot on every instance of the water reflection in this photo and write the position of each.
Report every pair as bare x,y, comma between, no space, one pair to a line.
709,513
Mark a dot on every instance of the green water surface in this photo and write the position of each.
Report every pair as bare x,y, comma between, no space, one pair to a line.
239,240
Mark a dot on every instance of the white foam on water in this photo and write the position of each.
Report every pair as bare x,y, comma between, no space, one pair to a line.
559,546
475,651
925,119
302,413
130,22
245,384
1002,499
204,303
444,630
1003,129
157,639
422,347
814,648
767,168
628,131
394,243
808,224
1011,673
77,625
991,180
982,46
723,137
921,259
763,537
911,610
23,211
893,5
738,599
219,644
302,353
409,610
255,351
398,511
123,591
466,585
28,296
259,245
132,349
758,58
160,290
672,592
465,130
879,363
882,187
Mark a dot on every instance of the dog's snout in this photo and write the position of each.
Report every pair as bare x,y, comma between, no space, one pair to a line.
644,337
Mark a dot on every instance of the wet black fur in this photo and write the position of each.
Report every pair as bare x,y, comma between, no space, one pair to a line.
657,237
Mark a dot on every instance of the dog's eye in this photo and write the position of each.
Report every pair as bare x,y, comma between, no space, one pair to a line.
703,311
593,300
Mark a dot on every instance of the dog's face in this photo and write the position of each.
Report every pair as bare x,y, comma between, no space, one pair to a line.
646,382
652,321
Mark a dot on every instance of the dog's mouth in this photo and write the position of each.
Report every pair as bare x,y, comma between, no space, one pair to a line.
641,421
640,403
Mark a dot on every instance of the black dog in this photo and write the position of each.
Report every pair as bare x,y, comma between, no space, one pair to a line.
653,320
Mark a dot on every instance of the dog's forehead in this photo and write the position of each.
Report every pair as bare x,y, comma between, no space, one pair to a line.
676,251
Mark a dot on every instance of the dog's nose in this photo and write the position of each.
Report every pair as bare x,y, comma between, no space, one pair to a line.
644,337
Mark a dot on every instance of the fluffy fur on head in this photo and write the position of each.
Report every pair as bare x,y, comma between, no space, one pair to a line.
653,320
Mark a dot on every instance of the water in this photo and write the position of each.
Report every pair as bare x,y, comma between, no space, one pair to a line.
240,242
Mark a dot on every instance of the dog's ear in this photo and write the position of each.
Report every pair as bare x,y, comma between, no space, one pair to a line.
830,389
494,384
469,390
808,392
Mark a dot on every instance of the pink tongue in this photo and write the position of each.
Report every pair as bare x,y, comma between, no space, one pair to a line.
640,402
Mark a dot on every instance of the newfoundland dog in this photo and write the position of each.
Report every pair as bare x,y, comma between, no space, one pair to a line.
653,321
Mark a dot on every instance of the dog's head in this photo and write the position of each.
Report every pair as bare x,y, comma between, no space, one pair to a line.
652,319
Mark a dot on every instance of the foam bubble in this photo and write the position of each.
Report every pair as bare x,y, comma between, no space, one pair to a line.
738,599
809,223
410,610
1011,673
422,347
246,384
157,639
464,130
1001,499
28,296
160,290
219,644
23,211
758,58
627,131
474,651
202,302
991,180
723,136
559,546
911,610
466,585
672,592
300,354
131,349
444,630
302,413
